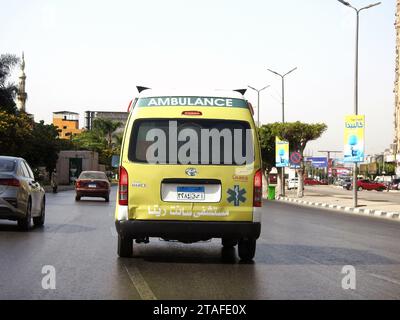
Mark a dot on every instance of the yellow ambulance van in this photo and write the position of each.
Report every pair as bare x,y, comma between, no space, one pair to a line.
190,171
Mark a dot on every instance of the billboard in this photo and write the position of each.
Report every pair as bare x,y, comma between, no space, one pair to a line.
318,162
354,141
282,153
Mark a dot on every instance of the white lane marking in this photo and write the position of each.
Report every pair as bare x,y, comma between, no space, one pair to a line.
140,284
377,276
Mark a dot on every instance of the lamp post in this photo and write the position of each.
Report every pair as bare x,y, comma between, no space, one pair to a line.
347,4
283,89
258,103
283,116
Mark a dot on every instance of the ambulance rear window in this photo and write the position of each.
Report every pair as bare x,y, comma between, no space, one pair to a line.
191,141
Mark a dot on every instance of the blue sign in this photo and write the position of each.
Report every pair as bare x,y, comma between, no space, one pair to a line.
320,163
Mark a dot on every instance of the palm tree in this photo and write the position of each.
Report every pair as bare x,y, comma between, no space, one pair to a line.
7,90
107,128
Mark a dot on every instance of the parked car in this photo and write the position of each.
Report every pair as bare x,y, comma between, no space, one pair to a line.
92,184
22,199
324,182
311,182
369,185
347,183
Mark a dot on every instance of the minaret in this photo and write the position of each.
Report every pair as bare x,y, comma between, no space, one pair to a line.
22,95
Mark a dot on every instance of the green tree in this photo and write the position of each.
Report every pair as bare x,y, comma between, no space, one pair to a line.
298,134
42,147
15,131
37,143
8,90
100,139
117,144
267,144
106,127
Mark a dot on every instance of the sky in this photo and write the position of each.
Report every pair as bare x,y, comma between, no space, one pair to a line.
91,54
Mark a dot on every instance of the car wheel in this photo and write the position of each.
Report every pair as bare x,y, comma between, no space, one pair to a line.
360,189
107,198
77,198
247,249
39,221
125,247
25,223
229,243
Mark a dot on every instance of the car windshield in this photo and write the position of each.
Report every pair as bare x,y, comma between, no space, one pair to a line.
93,175
7,165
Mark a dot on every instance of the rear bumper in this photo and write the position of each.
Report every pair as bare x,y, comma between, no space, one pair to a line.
7,213
176,230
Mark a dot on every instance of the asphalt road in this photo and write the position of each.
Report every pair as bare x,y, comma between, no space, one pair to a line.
300,256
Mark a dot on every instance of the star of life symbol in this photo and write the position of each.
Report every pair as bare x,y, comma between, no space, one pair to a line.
236,195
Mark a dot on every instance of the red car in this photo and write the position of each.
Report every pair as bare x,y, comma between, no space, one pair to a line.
92,184
370,185
311,182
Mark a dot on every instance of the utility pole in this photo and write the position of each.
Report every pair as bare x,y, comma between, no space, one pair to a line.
258,103
347,4
283,117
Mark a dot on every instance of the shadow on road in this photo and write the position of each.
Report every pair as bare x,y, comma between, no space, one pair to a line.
188,254
48,228
268,254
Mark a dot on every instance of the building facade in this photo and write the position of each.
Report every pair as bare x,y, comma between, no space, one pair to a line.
67,122
70,164
90,116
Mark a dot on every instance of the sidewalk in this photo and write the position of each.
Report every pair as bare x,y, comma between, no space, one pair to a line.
344,203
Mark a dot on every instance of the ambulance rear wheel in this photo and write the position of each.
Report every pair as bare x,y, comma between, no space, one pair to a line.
247,249
125,247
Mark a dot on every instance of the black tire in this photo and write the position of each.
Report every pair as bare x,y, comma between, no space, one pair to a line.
229,243
77,198
25,224
247,249
39,221
125,247
107,198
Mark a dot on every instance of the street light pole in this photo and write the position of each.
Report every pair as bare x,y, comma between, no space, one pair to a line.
347,4
258,103
283,117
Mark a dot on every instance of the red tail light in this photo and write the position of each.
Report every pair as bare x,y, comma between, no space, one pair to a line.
123,185
78,184
9,182
257,199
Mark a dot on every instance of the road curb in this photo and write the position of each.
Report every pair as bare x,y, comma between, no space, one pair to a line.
350,210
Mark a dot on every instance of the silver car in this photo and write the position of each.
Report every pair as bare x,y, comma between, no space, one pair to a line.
22,199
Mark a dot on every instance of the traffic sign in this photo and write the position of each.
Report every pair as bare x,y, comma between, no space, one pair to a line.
295,158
